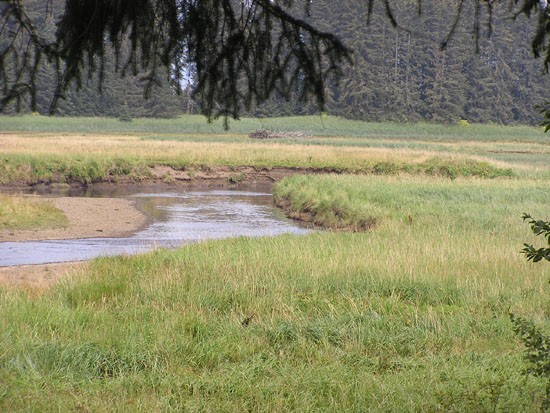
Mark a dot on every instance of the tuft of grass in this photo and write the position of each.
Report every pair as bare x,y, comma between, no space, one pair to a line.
18,212
460,167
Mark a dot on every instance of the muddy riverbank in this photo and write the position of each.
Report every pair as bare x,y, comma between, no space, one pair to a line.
88,218
159,176
178,217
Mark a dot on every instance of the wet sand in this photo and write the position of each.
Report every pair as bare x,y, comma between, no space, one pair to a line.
88,218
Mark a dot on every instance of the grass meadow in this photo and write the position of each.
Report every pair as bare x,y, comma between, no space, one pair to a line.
40,149
326,126
411,315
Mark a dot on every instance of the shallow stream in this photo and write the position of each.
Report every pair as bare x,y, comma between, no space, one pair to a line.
177,218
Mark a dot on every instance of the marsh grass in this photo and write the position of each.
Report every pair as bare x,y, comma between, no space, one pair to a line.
94,149
350,200
18,212
51,158
410,316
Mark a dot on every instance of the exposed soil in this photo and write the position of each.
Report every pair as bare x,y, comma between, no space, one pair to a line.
310,218
194,176
519,152
227,175
38,276
88,218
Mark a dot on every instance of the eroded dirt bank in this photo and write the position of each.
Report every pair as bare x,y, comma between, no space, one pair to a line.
169,176
227,175
88,218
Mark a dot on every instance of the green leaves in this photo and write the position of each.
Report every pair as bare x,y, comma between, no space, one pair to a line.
536,343
537,351
538,227
545,111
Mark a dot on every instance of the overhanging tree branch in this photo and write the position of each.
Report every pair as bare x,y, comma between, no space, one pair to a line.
241,50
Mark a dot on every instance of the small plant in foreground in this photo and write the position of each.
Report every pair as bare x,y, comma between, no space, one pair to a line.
537,344
538,228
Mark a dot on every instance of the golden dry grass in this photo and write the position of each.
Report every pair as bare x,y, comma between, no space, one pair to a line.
215,153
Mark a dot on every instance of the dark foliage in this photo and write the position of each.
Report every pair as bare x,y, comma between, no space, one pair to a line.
536,343
537,352
542,228
401,74
241,51
545,111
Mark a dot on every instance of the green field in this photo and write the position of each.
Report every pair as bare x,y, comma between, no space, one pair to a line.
39,149
316,125
410,315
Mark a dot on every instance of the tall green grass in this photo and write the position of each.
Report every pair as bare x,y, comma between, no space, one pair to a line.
350,201
410,316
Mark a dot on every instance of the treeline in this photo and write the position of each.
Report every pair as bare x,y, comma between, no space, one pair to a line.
403,75
115,96
397,74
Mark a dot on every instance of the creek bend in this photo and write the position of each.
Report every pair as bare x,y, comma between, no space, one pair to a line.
178,217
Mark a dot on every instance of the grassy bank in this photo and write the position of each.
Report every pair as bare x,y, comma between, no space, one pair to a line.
410,316
87,169
354,201
57,158
41,149
63,168
17,212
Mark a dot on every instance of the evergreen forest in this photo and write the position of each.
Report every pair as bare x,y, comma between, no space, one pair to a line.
398,74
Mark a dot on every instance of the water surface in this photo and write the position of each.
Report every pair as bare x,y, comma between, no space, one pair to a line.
178,218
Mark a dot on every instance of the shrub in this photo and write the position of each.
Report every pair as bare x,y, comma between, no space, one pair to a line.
536,343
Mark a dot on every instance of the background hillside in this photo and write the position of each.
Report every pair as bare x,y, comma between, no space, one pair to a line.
397,75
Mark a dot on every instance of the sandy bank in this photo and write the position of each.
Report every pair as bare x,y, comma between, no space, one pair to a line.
88,218
38,276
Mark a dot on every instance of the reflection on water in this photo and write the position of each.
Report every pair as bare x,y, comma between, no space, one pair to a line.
178,218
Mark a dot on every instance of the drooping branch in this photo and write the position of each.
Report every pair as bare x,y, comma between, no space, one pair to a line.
241,51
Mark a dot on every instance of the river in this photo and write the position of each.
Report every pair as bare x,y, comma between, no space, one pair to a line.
178,217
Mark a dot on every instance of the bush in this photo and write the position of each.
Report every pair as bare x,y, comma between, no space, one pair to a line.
537,344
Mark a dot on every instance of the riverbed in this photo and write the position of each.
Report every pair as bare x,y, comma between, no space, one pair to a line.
176,218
